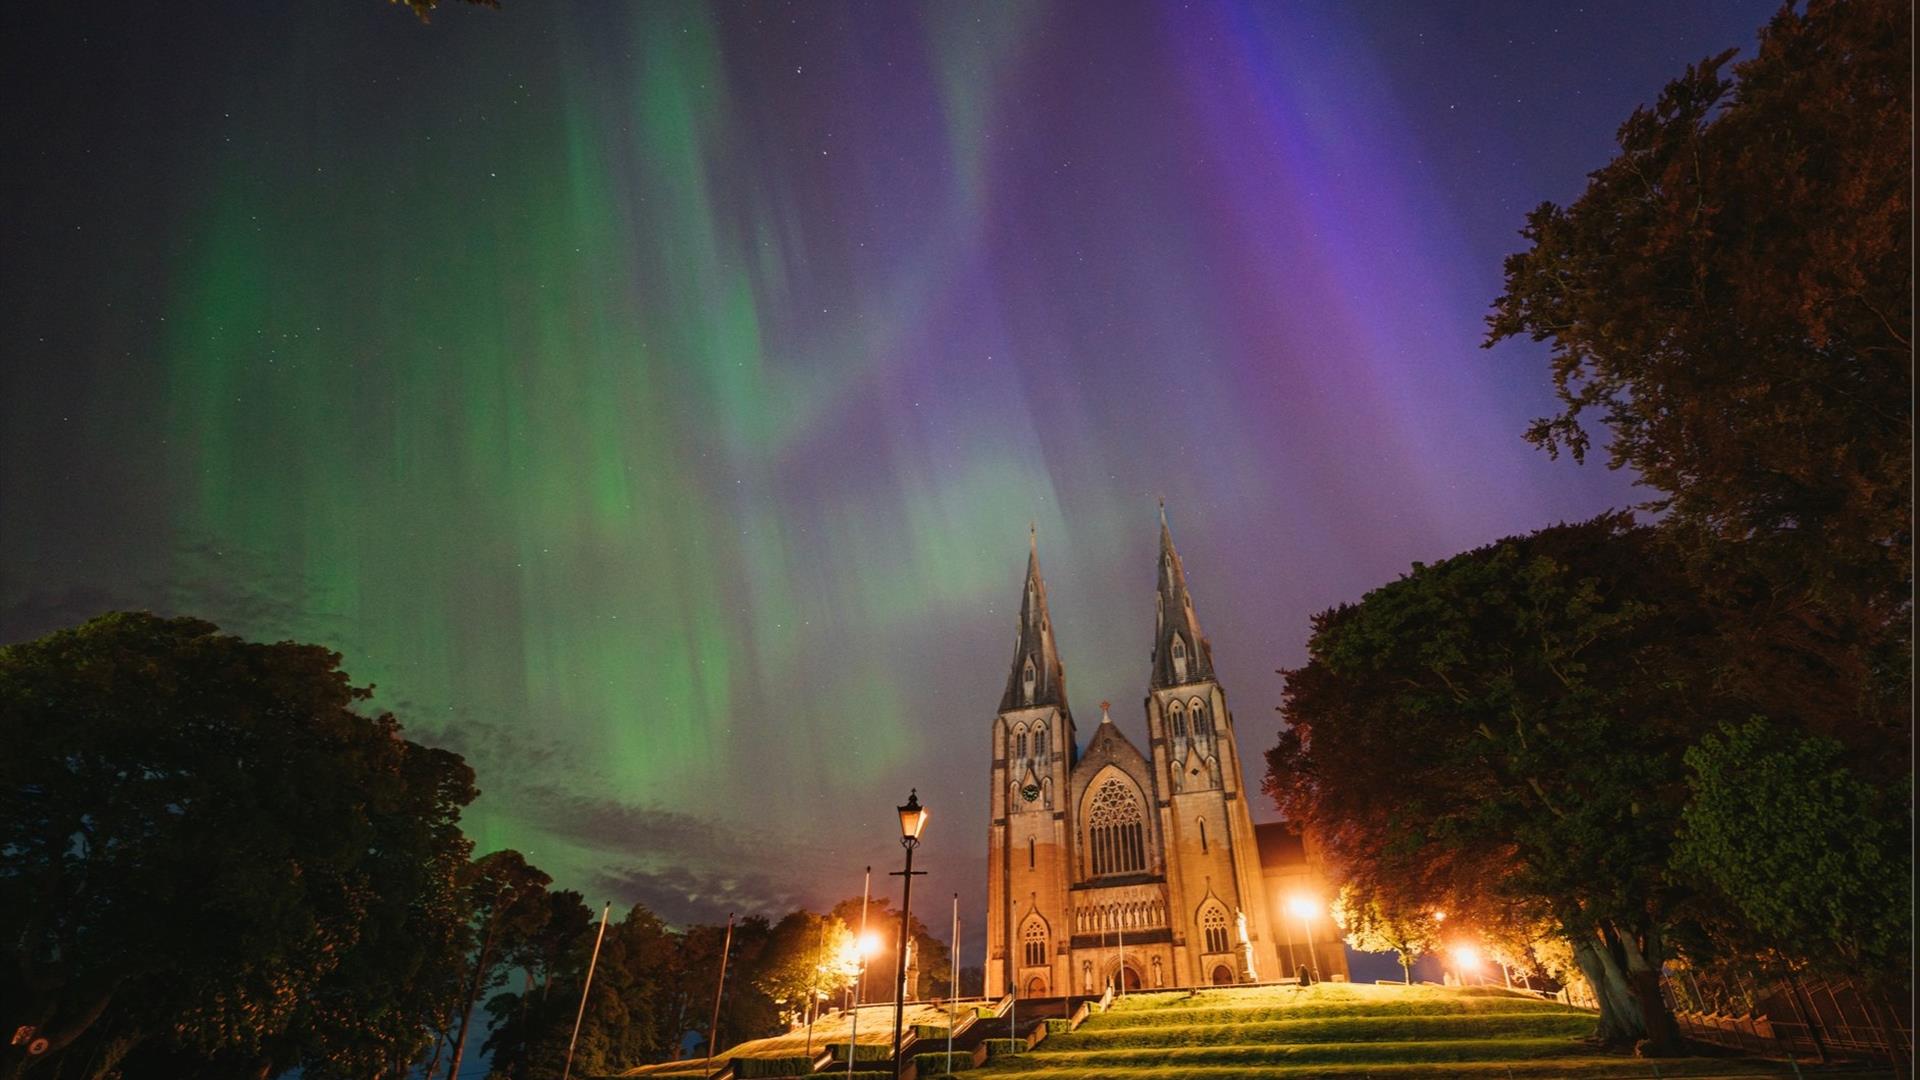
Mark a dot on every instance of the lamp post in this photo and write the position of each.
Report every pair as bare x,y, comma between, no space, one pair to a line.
913,818
1305,910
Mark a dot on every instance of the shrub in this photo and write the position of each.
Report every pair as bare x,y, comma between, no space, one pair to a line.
1001,1047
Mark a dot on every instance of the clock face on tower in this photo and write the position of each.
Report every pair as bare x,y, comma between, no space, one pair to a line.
1030,792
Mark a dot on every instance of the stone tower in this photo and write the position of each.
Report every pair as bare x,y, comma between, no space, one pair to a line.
1034,752
1216,892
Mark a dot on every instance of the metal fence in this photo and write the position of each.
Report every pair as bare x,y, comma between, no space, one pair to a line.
1821,1019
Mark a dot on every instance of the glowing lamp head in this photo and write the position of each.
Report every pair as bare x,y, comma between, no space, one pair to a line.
1466,956
1302,907
1439,916
913,818
869,943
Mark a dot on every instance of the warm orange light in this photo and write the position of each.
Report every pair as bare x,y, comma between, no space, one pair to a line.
1465,956
1439,916
870,944
913,819
1302,907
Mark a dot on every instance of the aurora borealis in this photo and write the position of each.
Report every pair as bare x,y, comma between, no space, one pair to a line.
652,400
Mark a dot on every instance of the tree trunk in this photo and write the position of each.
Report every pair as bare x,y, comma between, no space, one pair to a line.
1619,1023
473,991
1642,955
1406,965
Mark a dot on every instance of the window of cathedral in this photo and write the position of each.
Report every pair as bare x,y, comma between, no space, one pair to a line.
1213,922
1028,680
1019,742
1029,852
1040,741
1116,830
1179,657
1202,725
1203,835
1179,720
1036,943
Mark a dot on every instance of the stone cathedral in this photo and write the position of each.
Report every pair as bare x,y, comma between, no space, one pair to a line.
1109,866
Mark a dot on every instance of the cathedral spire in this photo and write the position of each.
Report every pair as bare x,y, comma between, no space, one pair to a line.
1038,677
1181,653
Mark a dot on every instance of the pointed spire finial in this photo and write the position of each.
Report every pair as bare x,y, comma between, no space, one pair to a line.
1033,538
1104,718
1163,511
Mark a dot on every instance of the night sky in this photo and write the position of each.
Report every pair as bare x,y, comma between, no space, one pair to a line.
653,400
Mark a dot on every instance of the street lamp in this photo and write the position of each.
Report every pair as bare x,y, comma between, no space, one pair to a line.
913,819
1305,910
1466,958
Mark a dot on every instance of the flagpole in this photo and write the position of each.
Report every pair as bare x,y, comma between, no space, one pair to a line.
953,980
713,1032
860,948
581,1015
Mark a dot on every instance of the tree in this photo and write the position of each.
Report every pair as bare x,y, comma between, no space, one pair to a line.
509,908
803,963
1733,295
1512,721
626,1020
1814,859
210,863
932,960
1375,923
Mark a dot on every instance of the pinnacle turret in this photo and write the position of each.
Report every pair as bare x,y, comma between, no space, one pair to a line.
1181,653
1038,677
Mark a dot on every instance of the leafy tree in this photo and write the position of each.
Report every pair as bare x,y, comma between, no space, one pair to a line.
508,905
625,1021
931,958
1814,859
1732,294
803,963
1374,923
1512,721
210,863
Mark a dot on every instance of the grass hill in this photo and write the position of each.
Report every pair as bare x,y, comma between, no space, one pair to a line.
1341,1030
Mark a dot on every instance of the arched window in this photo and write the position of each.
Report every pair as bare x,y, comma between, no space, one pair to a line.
1116,834
1035,940
1179,720
1179,657
1020,742
1040,741
1027,680
1202,724
1213,922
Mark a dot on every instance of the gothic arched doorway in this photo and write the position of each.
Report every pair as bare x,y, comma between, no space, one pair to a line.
1222,975
1036,987
1127,976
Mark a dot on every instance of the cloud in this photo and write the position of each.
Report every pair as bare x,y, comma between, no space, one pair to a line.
683,868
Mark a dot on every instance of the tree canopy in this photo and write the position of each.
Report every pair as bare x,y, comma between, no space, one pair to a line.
207,850
1732,295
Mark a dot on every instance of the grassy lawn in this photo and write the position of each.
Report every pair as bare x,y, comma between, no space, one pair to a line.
1344,1030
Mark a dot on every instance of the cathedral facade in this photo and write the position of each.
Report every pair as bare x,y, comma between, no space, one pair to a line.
1110,866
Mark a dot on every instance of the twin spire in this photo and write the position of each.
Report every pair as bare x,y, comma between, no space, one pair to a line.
1038,677
1181,653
